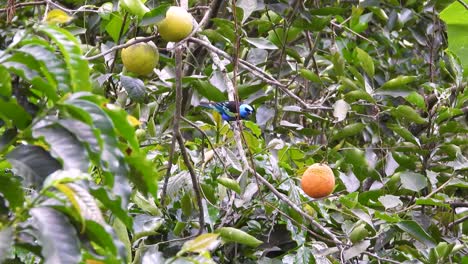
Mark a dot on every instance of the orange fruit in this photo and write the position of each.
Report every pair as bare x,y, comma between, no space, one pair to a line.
318,181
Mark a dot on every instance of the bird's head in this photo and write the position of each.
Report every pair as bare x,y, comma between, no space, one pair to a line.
245,110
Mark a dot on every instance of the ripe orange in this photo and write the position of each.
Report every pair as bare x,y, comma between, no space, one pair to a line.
318,181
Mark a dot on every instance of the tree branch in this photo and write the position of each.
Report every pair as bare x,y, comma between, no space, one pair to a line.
180,140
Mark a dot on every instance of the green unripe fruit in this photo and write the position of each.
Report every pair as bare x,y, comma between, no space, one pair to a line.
140,58
359,233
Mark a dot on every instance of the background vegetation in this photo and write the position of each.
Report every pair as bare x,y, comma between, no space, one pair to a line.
99,166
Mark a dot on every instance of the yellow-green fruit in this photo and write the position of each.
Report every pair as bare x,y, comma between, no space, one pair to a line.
177,25
140,58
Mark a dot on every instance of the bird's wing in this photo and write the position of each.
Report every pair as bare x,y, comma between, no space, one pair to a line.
229,108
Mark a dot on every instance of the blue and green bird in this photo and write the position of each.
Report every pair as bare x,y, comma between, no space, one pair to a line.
229,110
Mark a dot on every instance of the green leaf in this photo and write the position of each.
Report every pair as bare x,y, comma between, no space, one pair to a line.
202,243
432,202
54,66
186,204
135,88
5,82
112,203
454,16
69,46
114,26
356,249
416,99
358,95
310,75
12,191
390,201
120,121
261,43
113,162
11,111
408,113
154,16
366,62
404,133
104,236
230,184
58,237
417,232
28,68
231,234
135,7
64,145
209,91
413,181
32,163
398,82
349,131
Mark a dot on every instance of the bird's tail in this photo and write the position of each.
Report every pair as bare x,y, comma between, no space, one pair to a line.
206,105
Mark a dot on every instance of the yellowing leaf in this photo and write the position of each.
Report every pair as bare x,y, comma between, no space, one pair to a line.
202,243
133,121
57,16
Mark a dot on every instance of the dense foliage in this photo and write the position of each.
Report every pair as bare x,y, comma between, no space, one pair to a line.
99,165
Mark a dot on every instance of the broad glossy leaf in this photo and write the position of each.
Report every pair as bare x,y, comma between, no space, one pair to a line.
413,181
356,249
32,163
349,131
398,82
390,201
154,16
112,158
5,82
27,67
64,145
231,234
135,88
340,110
454,16
209,91
202,243
57,235
408,113
12,111
84,203
261,43
71,51
44,52
112,203
366,62
404,133
104,236
230,184
11,190
417,232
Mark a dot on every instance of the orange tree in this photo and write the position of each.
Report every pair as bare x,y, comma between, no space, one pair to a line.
99,165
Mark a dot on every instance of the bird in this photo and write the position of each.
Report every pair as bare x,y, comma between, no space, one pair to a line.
228,109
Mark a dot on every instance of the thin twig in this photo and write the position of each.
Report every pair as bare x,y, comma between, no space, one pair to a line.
21,5
297,209
168,172
253,69
429,195
458,221
180,140
380,258
207,138
135,41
